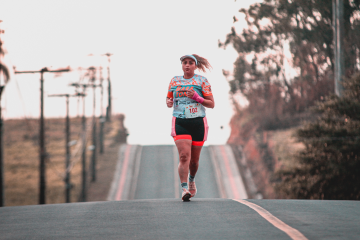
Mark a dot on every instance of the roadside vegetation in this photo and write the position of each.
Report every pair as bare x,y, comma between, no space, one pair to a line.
21,158
329,165
285,67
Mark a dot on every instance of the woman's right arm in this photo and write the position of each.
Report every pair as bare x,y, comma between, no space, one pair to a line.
169,102
170,97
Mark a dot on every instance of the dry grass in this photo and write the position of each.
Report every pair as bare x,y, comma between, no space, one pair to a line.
21,159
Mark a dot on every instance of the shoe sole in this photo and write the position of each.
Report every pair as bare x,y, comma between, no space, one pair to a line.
186,197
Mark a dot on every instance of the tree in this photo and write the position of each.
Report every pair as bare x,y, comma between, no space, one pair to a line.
3,68
329,166
303,27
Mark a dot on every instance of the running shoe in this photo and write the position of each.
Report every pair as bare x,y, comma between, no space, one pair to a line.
186,195
192,189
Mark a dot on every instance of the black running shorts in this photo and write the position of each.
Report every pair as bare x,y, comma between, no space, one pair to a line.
195,129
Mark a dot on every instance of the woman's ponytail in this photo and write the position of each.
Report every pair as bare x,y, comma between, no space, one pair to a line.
203,63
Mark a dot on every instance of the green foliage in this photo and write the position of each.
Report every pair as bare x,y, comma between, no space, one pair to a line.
304,28
329,166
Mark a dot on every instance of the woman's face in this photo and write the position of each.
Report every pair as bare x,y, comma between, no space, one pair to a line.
188,66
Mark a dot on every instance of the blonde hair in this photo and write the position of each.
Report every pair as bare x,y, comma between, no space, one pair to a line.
202,64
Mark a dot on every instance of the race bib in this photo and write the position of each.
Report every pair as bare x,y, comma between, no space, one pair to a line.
192,110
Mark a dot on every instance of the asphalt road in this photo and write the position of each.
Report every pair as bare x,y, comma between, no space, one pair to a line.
147,176
151,172
318,219
158,176
173,219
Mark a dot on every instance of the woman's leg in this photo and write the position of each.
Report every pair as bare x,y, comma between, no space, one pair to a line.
184,148
194,165
194,161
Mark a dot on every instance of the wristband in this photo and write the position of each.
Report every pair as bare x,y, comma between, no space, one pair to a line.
197,98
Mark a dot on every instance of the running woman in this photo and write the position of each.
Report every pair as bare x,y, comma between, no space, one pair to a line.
189,95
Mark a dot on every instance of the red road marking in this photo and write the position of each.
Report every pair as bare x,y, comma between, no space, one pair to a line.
123,173
292,232
228,170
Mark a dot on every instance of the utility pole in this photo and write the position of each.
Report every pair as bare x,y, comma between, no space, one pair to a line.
67,141
109,107
83,140
94,143
78,103
93,167
338,27
43,155
2,189
83,152
101,134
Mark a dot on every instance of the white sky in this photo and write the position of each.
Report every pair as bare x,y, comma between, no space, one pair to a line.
147,39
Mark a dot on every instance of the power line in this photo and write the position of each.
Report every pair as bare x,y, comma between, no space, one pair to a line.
31,130
83,194
93,159
43,155
67,141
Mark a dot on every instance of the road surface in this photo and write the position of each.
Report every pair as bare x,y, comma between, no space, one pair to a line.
173,219
150,172
144,203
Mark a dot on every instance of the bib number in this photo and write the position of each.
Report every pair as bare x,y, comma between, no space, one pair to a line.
192,110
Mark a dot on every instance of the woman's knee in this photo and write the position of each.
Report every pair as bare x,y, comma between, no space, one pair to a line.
184,157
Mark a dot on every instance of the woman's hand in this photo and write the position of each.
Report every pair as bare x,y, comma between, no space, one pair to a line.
207,101
169,102
190,93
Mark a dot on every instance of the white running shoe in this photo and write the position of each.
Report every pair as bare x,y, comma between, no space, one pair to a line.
192,189
186,195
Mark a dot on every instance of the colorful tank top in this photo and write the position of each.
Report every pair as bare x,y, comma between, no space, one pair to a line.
182,104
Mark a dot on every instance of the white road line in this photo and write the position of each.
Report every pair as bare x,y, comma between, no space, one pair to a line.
176,173
292,232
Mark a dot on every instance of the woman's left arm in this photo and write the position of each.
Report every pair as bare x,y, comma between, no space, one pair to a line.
209,101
